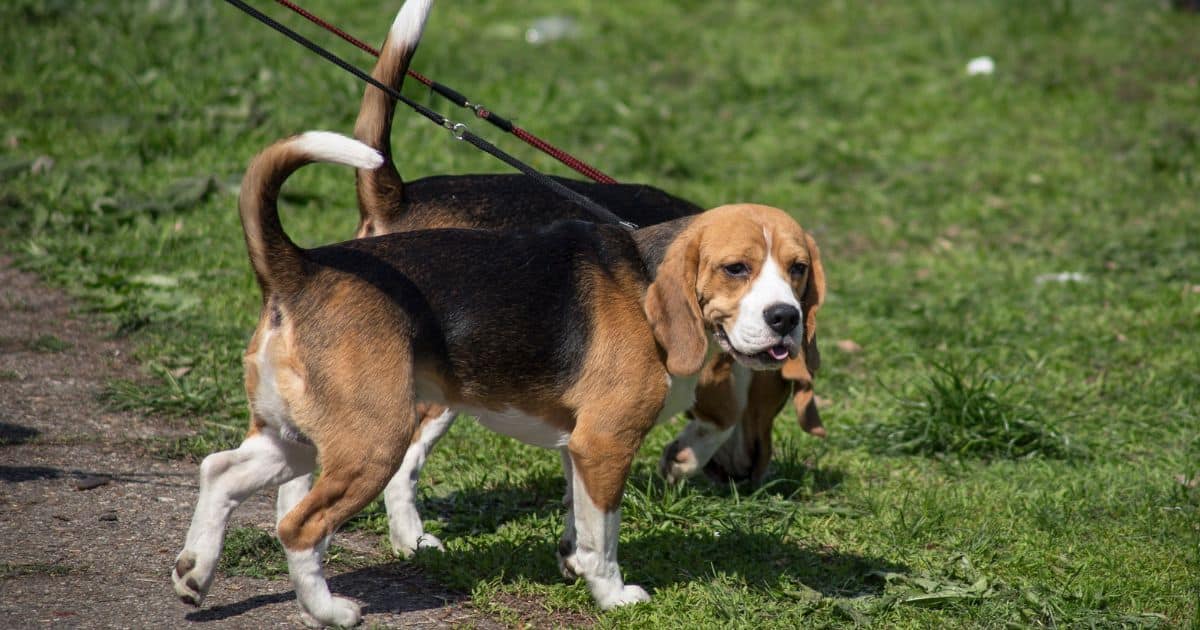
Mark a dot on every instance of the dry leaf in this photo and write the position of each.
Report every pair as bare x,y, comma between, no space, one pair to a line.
848,346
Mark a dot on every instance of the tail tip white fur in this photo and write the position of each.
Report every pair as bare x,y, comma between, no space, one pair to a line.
410,23
326,146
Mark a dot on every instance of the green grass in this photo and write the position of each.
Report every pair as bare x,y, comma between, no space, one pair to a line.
252,552
938,201
963,412
49,344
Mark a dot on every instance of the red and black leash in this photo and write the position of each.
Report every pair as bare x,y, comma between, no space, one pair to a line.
459,130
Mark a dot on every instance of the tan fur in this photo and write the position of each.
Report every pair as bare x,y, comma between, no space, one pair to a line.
348,388
250,379
619,393
767,398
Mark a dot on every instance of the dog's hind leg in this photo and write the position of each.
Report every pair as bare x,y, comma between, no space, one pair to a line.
406,531
357,461
227,479
566,544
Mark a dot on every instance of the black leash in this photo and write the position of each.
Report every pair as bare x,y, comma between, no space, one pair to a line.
459,130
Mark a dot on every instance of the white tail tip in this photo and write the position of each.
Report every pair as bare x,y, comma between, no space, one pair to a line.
410,23
326,146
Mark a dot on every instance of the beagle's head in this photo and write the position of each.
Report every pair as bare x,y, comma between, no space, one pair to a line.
750,277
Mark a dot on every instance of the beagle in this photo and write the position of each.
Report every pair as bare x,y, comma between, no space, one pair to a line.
729,433
608,337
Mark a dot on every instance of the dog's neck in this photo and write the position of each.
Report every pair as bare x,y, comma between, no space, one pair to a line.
653,241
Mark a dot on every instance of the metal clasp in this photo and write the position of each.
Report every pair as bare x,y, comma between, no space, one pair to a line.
458,130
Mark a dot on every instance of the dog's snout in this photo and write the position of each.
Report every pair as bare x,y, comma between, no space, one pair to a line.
782,318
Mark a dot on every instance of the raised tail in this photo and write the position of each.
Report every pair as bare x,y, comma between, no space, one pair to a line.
381,191
277,261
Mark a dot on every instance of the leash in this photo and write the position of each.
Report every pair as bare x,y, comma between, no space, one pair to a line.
457,129
459,99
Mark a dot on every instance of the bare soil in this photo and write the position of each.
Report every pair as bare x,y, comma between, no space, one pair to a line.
90,520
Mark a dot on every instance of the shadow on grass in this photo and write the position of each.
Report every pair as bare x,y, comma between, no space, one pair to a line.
787,479
750,545
658,560
486,509
669,558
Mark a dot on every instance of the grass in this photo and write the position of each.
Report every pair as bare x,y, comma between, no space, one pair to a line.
252,552
963,412
938,201
49,344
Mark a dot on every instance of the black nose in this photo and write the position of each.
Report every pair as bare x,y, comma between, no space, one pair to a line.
782,318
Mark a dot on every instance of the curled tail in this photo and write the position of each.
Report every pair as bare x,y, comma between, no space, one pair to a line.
381,191
277,261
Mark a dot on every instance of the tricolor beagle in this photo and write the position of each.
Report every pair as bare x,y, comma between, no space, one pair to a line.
729,435
607,337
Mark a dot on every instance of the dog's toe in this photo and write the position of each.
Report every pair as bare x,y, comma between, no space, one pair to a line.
339,612
429,541
677,463
629,594
189,584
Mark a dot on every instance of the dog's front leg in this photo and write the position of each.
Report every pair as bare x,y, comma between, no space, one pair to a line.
406,531
599,468
694,447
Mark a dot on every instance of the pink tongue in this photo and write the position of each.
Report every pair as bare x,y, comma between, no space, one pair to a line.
778,353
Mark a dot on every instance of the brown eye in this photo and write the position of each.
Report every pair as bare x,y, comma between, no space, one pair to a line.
737,270
797,269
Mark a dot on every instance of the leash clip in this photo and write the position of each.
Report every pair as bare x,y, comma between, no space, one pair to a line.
458,130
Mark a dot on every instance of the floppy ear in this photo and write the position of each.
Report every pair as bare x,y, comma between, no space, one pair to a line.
814,296
803,368
673,310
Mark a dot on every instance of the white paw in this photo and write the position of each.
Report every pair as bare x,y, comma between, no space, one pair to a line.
429,541
629,594
564,567
677,464
191,581
406,549
340,612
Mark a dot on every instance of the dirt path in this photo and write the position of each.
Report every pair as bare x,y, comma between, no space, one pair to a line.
90,523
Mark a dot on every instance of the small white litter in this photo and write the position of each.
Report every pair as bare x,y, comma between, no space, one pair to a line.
980,65
1062,277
